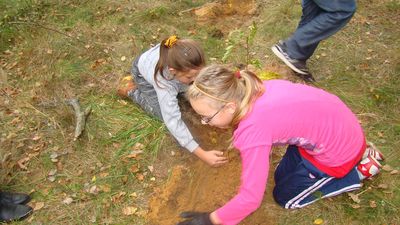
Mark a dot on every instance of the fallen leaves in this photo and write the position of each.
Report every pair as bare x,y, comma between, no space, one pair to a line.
118,197
97,63
318,221
51,176
354,197
67,201
22,163
129,210
38,206
372,204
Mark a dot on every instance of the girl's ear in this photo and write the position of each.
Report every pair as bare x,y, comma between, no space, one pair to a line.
231,107
172,71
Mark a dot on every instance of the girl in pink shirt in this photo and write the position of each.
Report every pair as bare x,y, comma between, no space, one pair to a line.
326,151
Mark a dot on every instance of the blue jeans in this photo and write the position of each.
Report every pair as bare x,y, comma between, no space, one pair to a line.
320,20
145,95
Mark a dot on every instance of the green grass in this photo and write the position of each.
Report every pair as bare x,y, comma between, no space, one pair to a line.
361,66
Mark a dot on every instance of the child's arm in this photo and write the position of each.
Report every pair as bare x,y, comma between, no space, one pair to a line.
255,167
212,158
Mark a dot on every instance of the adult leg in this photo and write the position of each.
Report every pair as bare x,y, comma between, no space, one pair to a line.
320,20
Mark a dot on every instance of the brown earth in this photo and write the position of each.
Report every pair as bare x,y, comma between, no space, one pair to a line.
195,186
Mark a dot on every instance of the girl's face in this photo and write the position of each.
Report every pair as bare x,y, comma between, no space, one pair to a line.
186,77
220,117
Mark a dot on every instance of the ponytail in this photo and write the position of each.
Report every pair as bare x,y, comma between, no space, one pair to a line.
180,54
224,85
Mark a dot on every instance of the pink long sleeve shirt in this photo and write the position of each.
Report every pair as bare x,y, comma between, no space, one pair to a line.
295,114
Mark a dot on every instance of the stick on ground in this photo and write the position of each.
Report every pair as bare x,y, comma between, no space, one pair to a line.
80,116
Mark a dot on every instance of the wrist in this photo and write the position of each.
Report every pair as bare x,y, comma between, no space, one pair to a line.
214,218
199,152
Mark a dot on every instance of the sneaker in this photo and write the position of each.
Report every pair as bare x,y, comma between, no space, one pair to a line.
126,86
368,167
373,151
298,66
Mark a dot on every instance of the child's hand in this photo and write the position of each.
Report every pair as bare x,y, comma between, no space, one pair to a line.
213,158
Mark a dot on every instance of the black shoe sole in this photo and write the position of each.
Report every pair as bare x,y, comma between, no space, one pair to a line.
278,52
307,78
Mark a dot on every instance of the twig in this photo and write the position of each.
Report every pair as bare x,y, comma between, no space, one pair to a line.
80,116
189,10
44,27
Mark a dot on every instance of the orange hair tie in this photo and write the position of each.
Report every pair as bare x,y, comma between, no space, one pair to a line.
171,41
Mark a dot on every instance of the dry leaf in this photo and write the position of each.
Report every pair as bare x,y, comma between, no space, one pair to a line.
354,197
21,163
67,200
80,172
138,146
122,102
130,210
318,221
94,190
38,206
131,156
102,175
383,186
54,160
59,166
372,204
134,169
116,198
105,188
52,172
140,176
36,137
124,179
53,155
387,168
355,206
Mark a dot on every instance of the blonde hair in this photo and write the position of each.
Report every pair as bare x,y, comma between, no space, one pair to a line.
223,85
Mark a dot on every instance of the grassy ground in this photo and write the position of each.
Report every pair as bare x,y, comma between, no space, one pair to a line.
56,50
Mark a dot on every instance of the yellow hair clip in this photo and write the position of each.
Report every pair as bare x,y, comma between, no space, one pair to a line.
171,41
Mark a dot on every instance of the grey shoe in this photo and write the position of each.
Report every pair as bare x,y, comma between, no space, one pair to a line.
298,66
